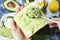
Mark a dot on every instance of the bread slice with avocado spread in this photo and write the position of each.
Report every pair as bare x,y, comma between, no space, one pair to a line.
29,19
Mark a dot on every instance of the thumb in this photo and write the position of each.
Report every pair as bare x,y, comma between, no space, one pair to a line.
13,24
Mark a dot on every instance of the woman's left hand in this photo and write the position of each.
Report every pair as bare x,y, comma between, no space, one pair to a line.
52,24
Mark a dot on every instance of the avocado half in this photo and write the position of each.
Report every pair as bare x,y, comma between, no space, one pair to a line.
11,5
29,21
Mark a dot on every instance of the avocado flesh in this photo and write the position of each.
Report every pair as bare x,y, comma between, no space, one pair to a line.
29,25
12,8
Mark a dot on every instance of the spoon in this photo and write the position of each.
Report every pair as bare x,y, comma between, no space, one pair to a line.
43,16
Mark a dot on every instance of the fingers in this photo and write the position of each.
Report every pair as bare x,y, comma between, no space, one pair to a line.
56,19
16,31
52,24
13,24
19,9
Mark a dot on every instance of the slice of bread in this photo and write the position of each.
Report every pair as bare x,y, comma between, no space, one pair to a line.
29,25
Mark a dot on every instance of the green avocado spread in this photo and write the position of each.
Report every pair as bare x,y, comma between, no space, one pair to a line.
30,25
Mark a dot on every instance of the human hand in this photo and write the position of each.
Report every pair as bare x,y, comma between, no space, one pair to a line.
19,9
52,24
16,31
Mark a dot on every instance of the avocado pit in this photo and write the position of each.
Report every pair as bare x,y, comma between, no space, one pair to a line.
11,5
